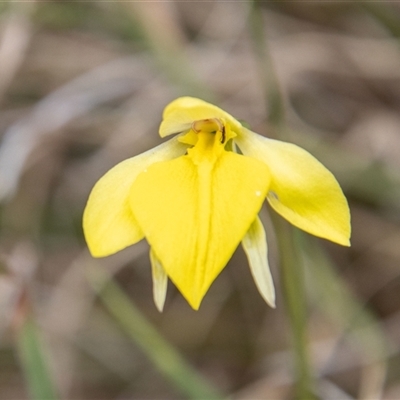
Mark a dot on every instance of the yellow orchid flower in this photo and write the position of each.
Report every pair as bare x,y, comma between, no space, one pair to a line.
195,198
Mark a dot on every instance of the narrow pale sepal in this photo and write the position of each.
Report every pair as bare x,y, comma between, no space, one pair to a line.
302,190
160,281
108,222
179,115
255,246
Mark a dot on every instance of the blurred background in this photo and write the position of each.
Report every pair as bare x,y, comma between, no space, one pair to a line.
83,86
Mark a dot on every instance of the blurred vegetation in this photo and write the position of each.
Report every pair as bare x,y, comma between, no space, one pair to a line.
83,86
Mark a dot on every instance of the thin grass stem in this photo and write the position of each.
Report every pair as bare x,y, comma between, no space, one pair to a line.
167,360
34,362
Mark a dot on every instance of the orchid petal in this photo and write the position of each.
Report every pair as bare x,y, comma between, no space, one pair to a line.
189,215
179,115
160,281
255,246
108,222
302,190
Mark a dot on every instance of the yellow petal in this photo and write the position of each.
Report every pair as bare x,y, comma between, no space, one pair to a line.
255,246
194,216
108,222
179,115
302,190
160,281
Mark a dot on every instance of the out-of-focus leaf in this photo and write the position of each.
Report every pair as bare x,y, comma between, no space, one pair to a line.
34,362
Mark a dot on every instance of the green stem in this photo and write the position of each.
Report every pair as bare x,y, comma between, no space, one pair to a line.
168,361
292,273
292,277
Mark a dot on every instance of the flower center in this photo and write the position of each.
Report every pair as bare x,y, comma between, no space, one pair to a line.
210,138
210,127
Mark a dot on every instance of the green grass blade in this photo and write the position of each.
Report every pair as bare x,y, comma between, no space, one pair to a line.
292,276
167,360
34,362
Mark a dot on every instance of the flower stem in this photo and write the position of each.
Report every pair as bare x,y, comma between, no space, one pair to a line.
292,273
292,276
168,361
